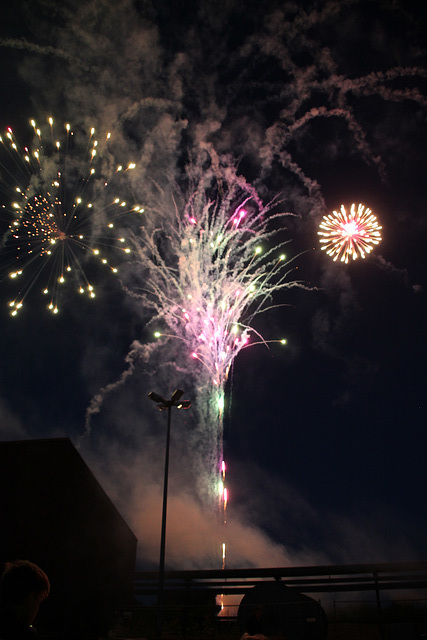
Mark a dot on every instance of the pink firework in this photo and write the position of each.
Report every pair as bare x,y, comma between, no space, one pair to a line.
349,235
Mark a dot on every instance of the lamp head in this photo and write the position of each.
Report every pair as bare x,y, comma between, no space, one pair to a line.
185,404
163,404
177,394
155,397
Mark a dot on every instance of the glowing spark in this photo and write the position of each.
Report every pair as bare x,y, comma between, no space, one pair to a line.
349,235
62,215
221,488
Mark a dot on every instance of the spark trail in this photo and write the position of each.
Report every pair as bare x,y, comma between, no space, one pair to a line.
64,211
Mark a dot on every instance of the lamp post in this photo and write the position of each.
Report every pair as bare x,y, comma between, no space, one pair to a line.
162,405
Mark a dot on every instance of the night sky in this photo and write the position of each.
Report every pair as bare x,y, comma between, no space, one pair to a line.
315,103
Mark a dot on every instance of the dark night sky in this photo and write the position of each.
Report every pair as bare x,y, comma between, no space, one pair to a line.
325,440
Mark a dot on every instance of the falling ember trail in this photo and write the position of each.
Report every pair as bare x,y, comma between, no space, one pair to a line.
223,511
223,493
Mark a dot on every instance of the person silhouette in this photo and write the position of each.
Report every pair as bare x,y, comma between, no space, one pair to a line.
23,587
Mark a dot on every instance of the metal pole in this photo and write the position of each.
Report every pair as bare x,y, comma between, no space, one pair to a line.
163,534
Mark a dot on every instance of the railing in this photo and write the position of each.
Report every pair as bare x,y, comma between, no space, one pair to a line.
312,579
191,610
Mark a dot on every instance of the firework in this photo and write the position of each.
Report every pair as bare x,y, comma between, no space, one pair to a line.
208,271
349,235
63,212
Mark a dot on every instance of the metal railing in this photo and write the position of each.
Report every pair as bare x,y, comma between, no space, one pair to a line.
307,579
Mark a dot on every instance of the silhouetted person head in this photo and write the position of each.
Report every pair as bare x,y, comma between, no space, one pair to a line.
23,586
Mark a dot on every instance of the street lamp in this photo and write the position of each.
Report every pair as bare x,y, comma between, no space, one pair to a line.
162,405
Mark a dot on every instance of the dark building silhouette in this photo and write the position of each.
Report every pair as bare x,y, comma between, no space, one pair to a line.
54,512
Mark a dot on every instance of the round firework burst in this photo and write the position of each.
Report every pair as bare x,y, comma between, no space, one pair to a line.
63,213
349,235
